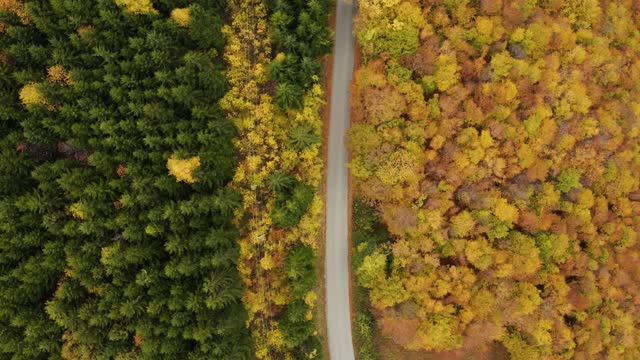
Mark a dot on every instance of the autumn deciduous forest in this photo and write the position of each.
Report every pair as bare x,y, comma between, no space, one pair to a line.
497,143
158,168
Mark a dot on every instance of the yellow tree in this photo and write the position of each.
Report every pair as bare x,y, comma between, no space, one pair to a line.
183,169
137,7
181,16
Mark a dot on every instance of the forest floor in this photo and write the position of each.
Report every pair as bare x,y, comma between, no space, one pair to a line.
389,350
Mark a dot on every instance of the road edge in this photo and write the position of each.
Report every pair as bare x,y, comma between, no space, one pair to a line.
321,310
356,65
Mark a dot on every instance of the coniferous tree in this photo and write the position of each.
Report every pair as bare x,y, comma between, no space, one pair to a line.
103,253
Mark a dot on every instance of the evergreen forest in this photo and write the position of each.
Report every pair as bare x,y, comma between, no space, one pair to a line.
158,175
496,162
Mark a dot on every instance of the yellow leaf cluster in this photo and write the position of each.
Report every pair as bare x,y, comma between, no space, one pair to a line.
183,169
479,253
462,224
137,7
310,299
78,210
181,16
400,167
484,25
528,297
505,211
517,35
31,95
447,73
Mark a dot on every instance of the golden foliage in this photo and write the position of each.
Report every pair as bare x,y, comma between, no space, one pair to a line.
400,167
59,75
503,143
137,7
263,143
183,169
30,95
505,211
16,7
181,16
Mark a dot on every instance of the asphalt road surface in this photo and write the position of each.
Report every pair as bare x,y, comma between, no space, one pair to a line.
337,245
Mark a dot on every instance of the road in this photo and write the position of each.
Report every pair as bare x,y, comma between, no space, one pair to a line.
337,244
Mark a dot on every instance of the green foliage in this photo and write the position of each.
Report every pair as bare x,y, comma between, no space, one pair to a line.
280,181
553,249
102,253
291,204
364,324
296,324
367,233
299,32
302,137
300,269
476,39
205,25
288,96
569,179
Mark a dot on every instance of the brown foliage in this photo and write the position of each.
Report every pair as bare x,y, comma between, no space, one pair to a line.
491,7
72,152
399,328
122,170
138,339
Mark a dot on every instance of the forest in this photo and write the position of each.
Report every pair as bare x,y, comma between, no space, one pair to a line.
495,163
158,176
274,51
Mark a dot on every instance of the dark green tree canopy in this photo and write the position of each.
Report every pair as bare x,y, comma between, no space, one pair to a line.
102,253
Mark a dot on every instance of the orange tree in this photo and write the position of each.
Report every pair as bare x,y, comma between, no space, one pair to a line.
498,141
